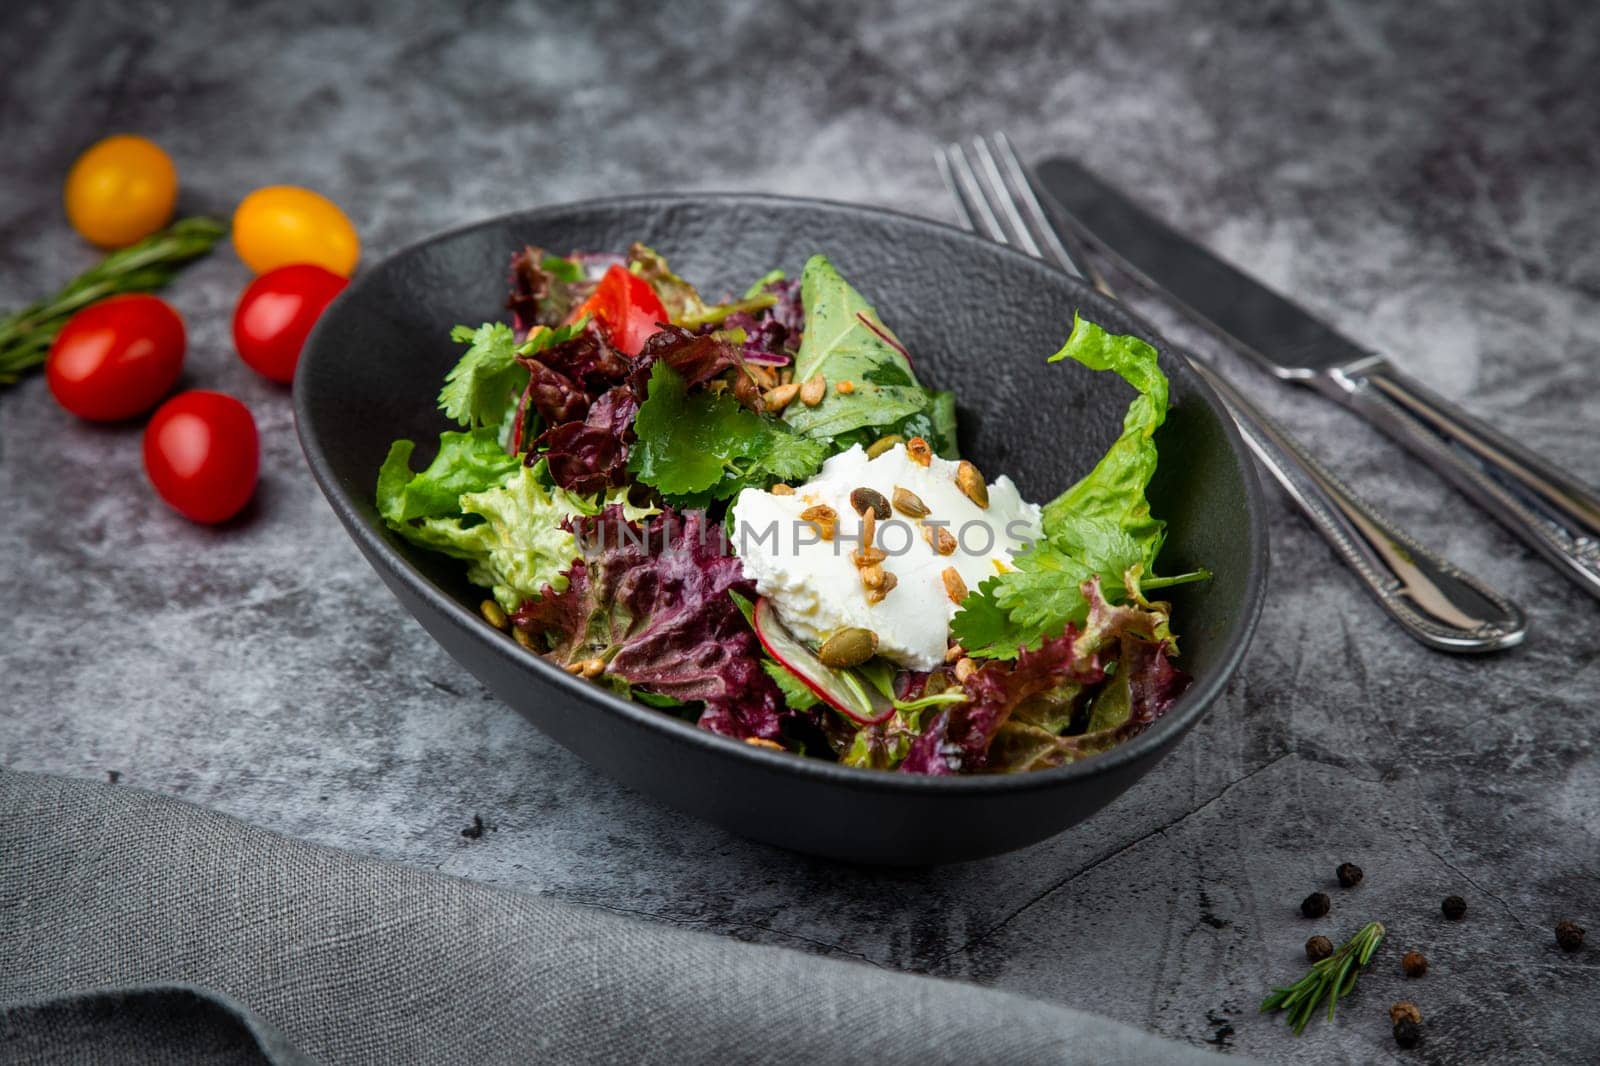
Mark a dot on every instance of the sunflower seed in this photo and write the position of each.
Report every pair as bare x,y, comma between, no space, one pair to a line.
812,391
954,587
779,398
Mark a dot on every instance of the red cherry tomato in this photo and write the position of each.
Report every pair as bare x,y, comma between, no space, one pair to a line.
116,358
201,454
627,307
276,313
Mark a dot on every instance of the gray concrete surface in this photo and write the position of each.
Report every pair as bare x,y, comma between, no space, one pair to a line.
1423,174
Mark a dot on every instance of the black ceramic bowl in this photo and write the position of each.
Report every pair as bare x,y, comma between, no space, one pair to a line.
978,318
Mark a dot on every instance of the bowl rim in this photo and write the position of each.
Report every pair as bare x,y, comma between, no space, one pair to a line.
375,545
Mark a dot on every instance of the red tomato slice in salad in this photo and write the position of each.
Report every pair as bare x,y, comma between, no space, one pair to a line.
627,307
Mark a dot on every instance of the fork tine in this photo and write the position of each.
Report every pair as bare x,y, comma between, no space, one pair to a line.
1063,246
950,184
1001,197
970,192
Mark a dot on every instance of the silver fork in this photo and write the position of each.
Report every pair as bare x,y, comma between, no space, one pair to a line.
1432,599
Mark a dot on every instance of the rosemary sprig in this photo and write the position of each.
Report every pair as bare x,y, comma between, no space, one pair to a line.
25,335
1331,979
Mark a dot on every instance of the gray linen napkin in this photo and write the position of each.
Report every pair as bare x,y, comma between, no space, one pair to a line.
138,928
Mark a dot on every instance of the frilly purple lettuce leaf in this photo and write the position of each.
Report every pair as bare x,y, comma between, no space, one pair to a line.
545,288
652,602
591,456
1017,709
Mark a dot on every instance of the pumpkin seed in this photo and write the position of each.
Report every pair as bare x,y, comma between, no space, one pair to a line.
850,646
865,499
970,482
494,614
882,445
909,503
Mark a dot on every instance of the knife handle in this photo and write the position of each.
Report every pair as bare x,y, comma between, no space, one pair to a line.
1429,597
1545,506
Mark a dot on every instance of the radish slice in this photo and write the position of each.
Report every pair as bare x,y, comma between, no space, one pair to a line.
766,358
829,685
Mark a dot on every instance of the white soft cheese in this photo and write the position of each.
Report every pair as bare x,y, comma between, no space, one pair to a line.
815,585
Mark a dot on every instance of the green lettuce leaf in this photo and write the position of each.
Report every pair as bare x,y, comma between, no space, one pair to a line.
1101,527
498,515
695,447
467,462
845,340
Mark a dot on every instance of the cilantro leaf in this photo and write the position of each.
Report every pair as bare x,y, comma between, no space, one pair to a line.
482,388
696,447
476,388
788,457
687,443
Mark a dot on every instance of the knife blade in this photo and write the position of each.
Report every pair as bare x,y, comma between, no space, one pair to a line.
1551,510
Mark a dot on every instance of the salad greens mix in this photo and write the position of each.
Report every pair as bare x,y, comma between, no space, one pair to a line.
602,434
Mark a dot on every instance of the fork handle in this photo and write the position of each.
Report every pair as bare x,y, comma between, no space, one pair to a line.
1432,600
1554,512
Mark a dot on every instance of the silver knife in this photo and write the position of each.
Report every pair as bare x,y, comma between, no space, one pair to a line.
1554,512
1431,599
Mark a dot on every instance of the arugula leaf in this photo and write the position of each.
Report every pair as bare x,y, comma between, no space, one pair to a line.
846,341
695,447
467,462
1100,527
482,387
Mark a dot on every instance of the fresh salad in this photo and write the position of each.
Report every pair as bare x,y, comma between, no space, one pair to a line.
752,514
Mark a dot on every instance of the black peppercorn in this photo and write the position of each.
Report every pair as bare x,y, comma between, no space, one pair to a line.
1569,935
1349,874
1407,1033
1315,905
1414,963
1454,907
1404,1011
1318,948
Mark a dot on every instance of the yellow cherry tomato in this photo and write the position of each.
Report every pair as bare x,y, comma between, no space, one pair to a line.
284,224
121,190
